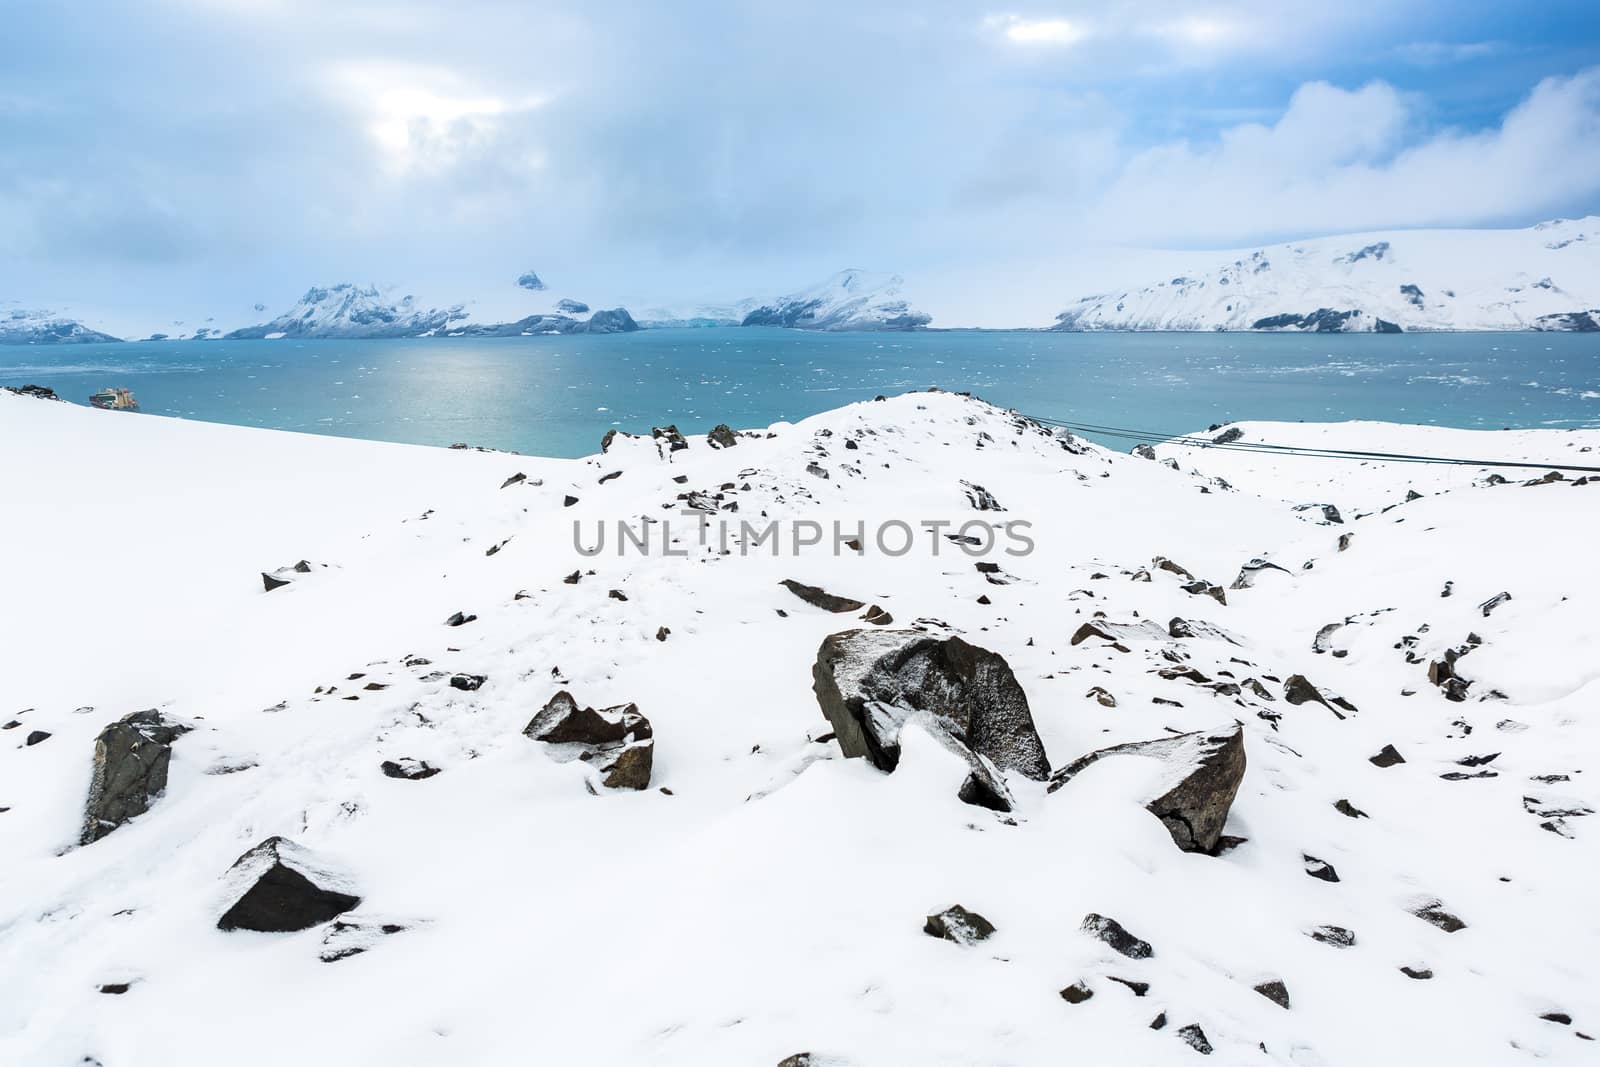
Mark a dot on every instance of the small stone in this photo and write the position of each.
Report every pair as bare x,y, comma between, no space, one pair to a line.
1077,992
1114,934
408,769
1159,1022
520,477
460,619
958,924
1432,911
1388,756
820,598
662,633
1321,869
1337,936
1560,1017
617,594
468,683
1139,988
284,888
34,737
1344,807
1421,974
269,583
115,988
1101,697
1195,1038
1275,991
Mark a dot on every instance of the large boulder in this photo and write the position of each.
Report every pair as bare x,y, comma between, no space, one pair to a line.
617,742
868,681
280,886
1204,770
130,770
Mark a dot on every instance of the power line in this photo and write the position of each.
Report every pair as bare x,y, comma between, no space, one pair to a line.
1309,451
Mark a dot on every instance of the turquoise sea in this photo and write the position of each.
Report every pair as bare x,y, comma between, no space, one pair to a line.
558,395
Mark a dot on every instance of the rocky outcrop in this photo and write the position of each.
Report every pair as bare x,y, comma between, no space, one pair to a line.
617,742
821,598
1205,771
1108,930
860,675
279,886
721,436
130,770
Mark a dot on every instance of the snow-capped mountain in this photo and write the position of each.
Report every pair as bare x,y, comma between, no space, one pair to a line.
1545,277
23,327
350,311
850,300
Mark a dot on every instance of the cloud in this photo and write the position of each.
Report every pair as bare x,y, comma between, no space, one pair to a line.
1045,31
1439,53
1341,160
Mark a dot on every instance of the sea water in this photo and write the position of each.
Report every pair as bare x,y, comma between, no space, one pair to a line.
557,395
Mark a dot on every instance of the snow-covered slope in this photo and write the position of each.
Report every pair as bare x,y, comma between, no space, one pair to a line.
19,326
850,300
1546,277
766,896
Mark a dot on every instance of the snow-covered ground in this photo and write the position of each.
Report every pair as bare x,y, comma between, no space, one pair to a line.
766,896
1543,277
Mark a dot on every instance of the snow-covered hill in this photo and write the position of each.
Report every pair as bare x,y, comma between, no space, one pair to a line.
1546,277
850,300
350,311
1404,771
19,326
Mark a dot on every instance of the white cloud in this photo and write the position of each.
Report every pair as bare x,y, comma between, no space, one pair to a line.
1037,31
1340,160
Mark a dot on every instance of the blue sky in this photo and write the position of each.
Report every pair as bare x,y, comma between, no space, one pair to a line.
200,153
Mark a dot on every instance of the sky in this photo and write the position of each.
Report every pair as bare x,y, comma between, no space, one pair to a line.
171,160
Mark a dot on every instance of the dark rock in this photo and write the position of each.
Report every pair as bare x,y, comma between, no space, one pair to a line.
799,1059
568,500
959,925
1421,974
1165,564
818,598
1250,571
721,436
969,689
1388,756
34,737
1102,697
1115,632
1321,869
411,770
460,619
617,741
1228,436
877,616
613,476
131,757
269,583
617,594
1337,936
669,436
283,887
1114,934
1344,807
662,633
1077,992
1159,1022
1144,451
818,470
1194,810
1344,540
1298,689
1493,602
1560,1018
468,683
1139,988
1432,911
1201,587
352,937
513,480
573,579
1195,1038
980,498
1275,991
115,988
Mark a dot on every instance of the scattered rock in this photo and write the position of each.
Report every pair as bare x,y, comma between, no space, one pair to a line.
662,633
616,741
1275,991
269,583
1337,936
1195,1038
468,683
980,498
513,480
1165,564
1077,992
1493,602
617,594
1144,451
721,436
1388,756
1344,807
411,770
957,924
460,619
817,470
1432,911
1159,1022
877,616
670,437
568,500
970,689
1207,768
1116,632
1252,570
1101,697
1320,869
34,737
1201,587
1421,974
1114,934
1228,436
819,598
131,757
1139,988
352,937
279,886
1298,689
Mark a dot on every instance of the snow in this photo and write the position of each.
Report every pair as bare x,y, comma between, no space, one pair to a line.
1415,279
848,300
774,902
